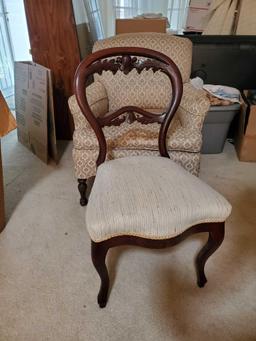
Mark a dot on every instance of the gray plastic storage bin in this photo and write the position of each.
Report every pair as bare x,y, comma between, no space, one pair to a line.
215,128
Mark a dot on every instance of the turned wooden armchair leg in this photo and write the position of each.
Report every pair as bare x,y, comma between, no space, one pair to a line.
98,253
82,186
216,236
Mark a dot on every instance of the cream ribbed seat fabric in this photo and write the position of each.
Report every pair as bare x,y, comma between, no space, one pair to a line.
150,197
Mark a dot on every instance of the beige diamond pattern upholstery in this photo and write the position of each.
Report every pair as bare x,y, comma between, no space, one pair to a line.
131,87
178,49
169,200
150,91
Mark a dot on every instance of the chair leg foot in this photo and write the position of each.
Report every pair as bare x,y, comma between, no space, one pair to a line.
98,253
216,236
82,186
201,281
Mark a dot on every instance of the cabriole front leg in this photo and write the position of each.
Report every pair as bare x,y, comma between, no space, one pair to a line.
98,253
216,236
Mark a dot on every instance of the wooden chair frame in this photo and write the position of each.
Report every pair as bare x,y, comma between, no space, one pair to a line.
125,59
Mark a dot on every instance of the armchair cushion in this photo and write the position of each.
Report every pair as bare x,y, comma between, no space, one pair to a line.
193,107
147,90
98,101
137,136
160,190
177,48
85,159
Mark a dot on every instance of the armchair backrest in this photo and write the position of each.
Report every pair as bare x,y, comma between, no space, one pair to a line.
125,61
152,91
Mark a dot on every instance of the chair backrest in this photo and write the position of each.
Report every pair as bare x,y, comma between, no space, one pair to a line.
125,60
137,90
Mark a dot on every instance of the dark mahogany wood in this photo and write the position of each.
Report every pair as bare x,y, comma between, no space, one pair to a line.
216,236
145,117
126,59
99,251
54,44
82,187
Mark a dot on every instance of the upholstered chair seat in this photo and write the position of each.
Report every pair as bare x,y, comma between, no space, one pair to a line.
149,197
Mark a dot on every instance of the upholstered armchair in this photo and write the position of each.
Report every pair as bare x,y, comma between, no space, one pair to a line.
150,91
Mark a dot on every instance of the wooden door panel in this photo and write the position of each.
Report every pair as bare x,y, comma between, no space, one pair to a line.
54,44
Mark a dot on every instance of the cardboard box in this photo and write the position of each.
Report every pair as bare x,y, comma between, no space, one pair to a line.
245,139
198,15
141,25
7,123
197,19
203,4
35,110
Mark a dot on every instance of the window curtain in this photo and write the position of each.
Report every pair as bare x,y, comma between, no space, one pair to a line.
94,14
125,8
174,10
102,13
177,14
221,17
131,8
246,19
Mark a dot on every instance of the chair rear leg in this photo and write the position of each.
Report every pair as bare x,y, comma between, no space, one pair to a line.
216,236
98,253
82,186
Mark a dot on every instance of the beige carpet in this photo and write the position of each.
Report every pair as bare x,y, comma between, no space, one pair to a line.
48,285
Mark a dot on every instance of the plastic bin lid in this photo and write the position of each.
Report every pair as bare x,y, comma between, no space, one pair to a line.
231,107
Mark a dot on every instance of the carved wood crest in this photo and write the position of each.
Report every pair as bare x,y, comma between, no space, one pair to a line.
126,64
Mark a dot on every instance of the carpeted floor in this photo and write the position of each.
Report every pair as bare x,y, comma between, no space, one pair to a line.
48,285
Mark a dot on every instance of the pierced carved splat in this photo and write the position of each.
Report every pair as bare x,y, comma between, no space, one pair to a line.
130,114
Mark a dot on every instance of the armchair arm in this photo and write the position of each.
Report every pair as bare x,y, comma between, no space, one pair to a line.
193,107
97,99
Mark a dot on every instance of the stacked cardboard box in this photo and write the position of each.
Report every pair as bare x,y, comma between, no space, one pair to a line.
141,25
35,110
197,15
245,140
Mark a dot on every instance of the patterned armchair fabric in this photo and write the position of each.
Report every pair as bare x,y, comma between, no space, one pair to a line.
149,91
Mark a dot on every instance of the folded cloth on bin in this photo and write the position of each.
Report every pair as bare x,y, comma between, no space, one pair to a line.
218,94
226,93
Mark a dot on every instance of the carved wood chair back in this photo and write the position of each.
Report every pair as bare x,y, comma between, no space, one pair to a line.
125,59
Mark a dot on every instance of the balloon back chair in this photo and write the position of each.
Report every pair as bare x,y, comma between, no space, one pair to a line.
149,201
